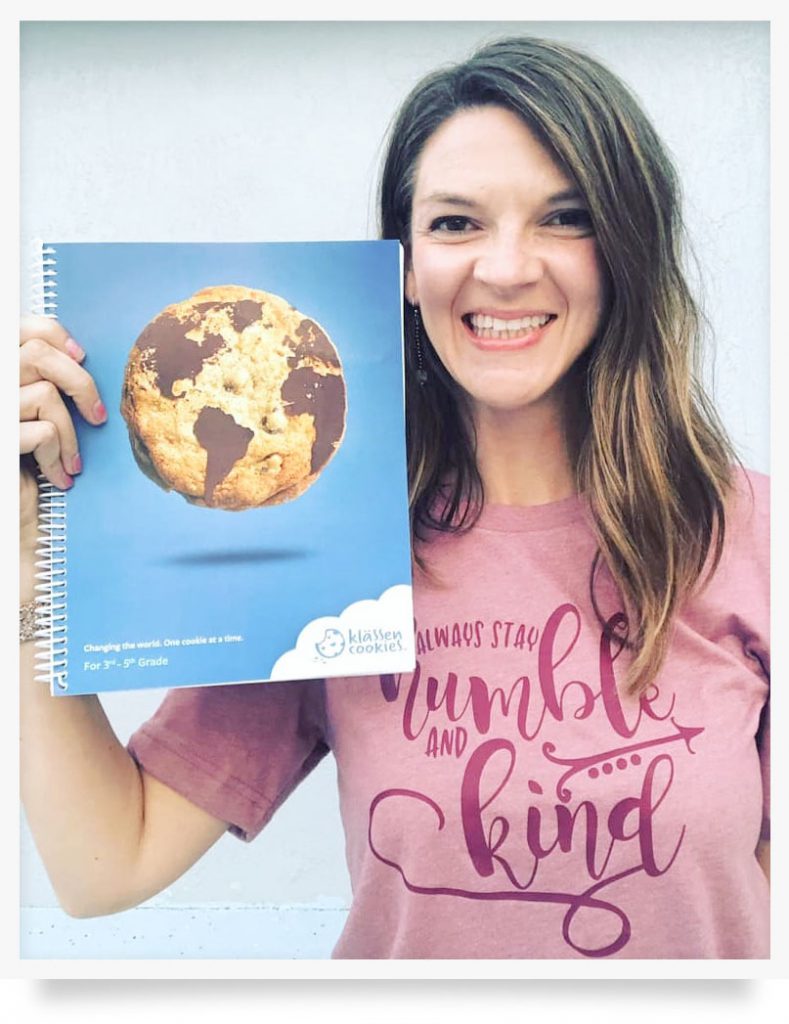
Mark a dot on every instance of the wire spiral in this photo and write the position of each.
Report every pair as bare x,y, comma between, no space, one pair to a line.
51,617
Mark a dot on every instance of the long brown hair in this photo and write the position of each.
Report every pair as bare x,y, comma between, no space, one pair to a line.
651,454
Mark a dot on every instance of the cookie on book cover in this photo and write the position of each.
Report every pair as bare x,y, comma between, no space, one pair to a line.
234,399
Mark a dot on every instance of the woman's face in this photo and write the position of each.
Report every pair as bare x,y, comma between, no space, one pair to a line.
504,265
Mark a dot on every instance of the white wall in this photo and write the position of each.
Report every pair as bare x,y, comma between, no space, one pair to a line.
273,131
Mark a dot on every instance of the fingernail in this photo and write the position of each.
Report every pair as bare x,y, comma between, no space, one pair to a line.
76,464
68,482
74,350
99,412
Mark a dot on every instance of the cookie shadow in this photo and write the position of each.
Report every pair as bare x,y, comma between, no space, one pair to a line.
243,557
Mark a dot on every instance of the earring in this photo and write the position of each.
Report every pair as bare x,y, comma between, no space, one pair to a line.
421,372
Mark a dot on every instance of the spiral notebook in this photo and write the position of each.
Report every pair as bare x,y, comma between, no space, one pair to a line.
242,516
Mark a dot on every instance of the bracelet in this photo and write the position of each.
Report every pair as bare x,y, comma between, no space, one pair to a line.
27,621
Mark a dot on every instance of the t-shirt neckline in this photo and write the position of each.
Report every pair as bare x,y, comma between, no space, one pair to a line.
524,518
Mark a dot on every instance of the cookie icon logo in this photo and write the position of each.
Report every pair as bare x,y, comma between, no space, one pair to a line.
234,399
332,644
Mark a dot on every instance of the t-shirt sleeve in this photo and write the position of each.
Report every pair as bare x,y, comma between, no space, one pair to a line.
754,524
235,751
751,536
763,743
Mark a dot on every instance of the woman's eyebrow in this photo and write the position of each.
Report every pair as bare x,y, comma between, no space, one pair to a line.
452,199
567,195
449,198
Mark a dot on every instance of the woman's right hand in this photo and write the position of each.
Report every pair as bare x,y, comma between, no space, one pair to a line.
49,367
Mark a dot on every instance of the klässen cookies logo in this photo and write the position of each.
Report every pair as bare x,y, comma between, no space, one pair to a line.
355,641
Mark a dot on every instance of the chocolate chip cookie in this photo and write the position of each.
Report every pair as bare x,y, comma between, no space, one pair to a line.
234,399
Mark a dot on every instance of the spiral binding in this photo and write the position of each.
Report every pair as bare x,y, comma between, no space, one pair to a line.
51,617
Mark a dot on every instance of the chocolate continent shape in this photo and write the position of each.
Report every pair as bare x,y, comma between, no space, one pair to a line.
225,442
243,313
324,399
313,343
176,357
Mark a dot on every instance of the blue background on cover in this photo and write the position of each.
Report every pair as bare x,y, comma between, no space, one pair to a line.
143,563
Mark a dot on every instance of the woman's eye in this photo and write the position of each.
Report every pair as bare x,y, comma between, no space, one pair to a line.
578,219
451,225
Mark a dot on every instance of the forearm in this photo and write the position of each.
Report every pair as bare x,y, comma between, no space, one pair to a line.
81,791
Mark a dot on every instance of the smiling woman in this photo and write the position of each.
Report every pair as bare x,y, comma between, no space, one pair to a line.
570,207
578,765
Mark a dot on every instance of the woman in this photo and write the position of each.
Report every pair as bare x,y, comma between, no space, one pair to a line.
572,770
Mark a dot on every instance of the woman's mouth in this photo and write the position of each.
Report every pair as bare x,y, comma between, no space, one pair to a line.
488,331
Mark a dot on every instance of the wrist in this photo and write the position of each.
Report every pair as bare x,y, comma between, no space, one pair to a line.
27,576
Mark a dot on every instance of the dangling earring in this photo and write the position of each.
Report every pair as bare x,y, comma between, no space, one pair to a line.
421,372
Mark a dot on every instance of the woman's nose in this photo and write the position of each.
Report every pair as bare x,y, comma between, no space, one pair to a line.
509,261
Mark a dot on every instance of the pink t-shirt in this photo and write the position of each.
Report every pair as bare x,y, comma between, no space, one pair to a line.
507,799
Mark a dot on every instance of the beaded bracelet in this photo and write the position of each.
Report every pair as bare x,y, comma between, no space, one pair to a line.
27,621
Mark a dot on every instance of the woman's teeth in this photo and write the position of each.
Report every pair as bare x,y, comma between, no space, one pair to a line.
485,326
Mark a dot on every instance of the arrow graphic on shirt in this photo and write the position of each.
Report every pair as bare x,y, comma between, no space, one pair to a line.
579,764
